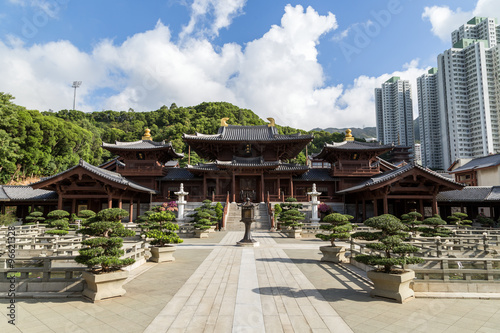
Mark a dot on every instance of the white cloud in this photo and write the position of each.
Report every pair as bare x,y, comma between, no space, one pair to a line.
444,20
223,12
277,75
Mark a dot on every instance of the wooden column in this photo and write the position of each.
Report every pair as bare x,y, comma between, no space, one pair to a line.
73,206
262,199
357,210
110,201
120,203
364,209
422,210
434,205
386,205
204,186
131,210
59,201
234,187
291,187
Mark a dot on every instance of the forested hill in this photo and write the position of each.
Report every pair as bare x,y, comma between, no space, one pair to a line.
37,144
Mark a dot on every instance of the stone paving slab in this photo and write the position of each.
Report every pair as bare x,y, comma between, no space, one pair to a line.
280,286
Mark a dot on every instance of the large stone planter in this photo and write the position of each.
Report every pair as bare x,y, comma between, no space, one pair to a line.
392,286
333,254
200,233
295,233
162,253
106,285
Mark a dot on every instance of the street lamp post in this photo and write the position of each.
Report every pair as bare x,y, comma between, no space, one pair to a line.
75,85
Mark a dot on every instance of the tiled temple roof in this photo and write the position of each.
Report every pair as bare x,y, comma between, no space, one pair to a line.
248,133
25,193
480,163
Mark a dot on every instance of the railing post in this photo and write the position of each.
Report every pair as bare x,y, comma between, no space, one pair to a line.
485,241
438,247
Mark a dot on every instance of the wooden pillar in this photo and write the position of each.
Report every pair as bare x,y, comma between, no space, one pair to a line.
131,210
357,210
59,201
110,201
262,199
73,206
291,187
120,203
386,206
375,208
422,210
204,186
364,209
434,205
234,187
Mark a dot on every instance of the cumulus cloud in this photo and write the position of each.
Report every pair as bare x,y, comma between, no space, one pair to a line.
444,20
222,13
277,75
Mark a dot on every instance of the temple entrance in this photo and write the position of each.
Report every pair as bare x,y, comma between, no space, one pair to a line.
248,187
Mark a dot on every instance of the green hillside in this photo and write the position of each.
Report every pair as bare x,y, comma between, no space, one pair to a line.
37,144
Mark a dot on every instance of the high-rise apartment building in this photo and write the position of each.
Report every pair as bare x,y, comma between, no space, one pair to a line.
429,120
394,112
469,90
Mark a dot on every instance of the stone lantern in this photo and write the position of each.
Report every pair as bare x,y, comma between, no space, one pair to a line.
314,204
181,203
247,217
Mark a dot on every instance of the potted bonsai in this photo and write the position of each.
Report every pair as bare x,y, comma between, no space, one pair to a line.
389,281
290,217
59,220
159,227
338,227
204,218
102,253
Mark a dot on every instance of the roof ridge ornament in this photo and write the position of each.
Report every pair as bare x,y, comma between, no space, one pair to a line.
147,135
223,122
348,135
271,122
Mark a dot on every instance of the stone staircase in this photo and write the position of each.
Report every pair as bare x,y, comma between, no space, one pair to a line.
234,217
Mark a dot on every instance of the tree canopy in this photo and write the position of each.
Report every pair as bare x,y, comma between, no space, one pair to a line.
38,144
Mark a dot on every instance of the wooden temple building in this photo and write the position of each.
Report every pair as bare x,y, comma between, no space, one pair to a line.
246,162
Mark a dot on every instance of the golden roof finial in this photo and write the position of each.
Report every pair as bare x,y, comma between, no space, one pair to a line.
223,122
348,135
271,122
147,135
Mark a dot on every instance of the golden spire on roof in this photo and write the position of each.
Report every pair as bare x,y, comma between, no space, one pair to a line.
348,135
223,122
147,135
271,122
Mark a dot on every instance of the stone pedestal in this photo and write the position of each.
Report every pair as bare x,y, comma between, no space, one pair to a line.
180,204
314,205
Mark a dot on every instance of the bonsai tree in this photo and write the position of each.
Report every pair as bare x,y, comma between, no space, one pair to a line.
389,243
485,221
85,214
291,203
58,219
159,226
291,218
204,216
103,250
339,227
34,217
219,212
277,210
459,219
411,219
434,228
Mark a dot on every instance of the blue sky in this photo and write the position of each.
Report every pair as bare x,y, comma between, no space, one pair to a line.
306,63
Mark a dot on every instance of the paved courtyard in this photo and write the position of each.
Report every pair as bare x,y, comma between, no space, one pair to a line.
280,286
